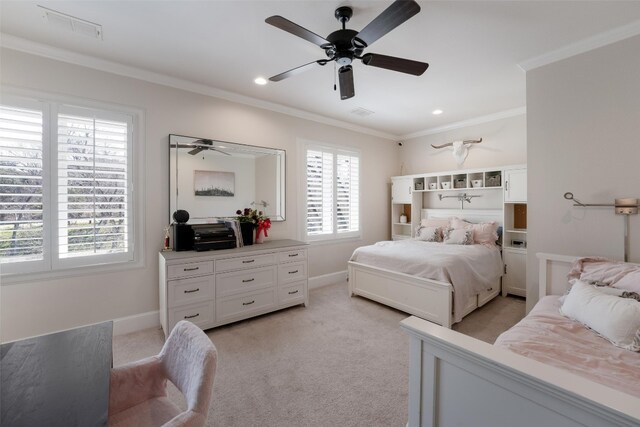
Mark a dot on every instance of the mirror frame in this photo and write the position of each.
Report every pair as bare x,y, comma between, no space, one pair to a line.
280,206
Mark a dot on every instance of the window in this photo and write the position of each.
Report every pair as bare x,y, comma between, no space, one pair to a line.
332,193
66,182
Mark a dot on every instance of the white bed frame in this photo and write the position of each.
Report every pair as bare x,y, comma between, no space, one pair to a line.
428,299
456,380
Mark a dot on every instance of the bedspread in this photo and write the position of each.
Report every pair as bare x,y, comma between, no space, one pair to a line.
470,269
548,337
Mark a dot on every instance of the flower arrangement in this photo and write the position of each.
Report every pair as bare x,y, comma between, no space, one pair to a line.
252,216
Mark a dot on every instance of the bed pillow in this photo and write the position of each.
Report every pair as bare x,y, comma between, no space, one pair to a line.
435,222
484,233
429,234
614,318
630,282
460,236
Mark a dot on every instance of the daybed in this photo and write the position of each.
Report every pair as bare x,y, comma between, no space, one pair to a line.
437,282
457,380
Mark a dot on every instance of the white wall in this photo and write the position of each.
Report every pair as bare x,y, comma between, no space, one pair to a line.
504,143
43,306
583,116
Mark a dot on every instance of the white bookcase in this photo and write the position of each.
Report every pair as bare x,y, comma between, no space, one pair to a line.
407,197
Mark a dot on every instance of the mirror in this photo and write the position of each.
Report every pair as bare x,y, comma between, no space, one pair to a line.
212,179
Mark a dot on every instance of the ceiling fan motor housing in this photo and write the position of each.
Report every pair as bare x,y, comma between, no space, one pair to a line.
342,49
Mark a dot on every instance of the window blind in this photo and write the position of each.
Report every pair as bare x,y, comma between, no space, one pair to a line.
21,184
319,192
348,188
93,179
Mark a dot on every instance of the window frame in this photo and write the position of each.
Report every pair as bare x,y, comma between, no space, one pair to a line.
335,150
52,266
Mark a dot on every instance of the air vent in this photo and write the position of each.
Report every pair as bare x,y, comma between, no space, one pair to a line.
71,23
362,112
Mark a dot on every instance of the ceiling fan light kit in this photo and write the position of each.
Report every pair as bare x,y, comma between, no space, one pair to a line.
345,45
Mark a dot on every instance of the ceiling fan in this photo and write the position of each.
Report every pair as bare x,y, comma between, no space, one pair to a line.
343,46
201,145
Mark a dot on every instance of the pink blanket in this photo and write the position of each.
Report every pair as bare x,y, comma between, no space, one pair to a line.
548,337
607,272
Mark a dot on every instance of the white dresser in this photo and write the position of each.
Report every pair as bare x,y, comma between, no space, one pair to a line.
218,287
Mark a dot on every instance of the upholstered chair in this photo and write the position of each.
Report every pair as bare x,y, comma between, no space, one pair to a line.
138,395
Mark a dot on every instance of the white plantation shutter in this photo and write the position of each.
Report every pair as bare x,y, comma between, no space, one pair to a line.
93,184
348,190
333,193
66,186
21,185
319,192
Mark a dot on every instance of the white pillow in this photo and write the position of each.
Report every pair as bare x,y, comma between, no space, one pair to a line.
616,319
429,234
460,236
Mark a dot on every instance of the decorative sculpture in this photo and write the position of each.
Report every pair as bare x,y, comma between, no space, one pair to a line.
460,148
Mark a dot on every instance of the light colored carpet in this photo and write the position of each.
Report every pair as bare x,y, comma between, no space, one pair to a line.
339,362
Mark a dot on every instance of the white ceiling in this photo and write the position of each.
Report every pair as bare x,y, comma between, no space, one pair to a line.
473,48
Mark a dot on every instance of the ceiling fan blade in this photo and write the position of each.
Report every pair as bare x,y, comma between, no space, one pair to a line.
297,70
345,76
395,64
295,29
399,12
196,151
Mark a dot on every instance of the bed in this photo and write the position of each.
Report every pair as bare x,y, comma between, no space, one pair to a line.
436,282
457,380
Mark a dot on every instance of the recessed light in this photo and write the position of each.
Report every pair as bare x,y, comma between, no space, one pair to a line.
437,112
260,81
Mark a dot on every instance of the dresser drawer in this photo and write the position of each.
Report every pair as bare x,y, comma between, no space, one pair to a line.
191,269
292,293
292,272
238,282
189,291
291,256
200,314
240,306
245,262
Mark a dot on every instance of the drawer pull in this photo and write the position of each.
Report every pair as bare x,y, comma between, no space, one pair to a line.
293,272
489,290
293,292
249,261
292,255
192,269
248,303
248,280
191,317
190,291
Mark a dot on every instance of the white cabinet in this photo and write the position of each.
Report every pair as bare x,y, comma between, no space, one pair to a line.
514,280
401,190
515,185
218,287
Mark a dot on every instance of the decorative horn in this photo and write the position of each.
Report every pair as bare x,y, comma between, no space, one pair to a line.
472,141
449,144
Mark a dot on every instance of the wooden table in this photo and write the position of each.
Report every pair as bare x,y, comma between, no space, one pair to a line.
61,379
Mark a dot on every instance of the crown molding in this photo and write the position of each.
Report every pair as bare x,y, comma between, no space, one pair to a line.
23,45
470,122
582,46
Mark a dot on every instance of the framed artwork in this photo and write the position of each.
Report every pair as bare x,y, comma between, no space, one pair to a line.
214,183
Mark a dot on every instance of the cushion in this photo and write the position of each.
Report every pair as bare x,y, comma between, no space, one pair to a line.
429,234
435,222
630,282
458,237
616,319
483,233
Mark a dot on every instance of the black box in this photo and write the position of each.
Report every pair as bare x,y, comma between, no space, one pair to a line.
182,237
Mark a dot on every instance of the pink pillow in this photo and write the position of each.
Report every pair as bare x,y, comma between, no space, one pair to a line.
432,222
630,282
484,233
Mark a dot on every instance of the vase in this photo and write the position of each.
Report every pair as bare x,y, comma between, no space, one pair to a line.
246,228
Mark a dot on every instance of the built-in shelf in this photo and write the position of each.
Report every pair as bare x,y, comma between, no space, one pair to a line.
402,223
457,189
516,230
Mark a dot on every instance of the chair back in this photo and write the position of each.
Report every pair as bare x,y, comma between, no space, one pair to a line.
189,359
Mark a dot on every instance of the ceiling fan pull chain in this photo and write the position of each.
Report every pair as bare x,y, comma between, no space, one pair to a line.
335,73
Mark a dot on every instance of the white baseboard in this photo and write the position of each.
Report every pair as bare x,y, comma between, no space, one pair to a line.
327,279
137,322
